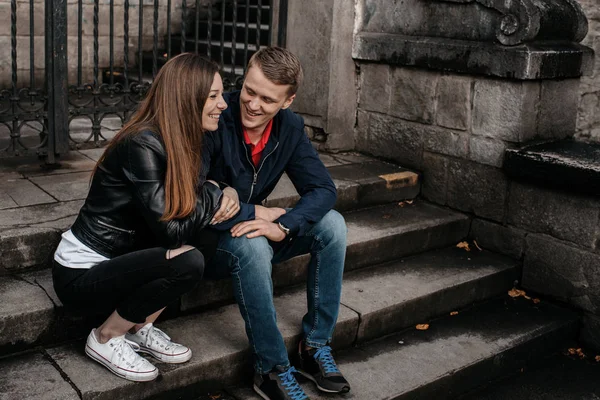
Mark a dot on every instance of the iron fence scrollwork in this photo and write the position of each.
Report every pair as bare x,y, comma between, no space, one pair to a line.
67,103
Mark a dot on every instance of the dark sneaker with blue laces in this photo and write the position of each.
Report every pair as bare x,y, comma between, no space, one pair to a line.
319,366
279,384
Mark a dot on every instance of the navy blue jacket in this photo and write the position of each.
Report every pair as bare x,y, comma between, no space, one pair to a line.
227,158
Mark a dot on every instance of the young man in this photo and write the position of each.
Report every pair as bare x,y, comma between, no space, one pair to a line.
258,140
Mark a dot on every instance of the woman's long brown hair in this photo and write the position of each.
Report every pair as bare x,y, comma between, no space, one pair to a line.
173,109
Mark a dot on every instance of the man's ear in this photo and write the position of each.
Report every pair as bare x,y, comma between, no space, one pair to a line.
288,102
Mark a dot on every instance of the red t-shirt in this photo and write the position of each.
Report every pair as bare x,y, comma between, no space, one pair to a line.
257,148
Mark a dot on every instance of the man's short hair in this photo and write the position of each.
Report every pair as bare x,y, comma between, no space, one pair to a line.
280,66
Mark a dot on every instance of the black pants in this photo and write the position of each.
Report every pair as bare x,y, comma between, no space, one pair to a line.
136,284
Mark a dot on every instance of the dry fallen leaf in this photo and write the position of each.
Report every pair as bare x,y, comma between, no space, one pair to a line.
454,313
514,292
476,245
422,327
580,353
536,301
464,245
215,397
597,358
409,201
572,351
387,216
527,297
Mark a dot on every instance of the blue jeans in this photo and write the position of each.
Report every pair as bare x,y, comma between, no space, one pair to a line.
249,262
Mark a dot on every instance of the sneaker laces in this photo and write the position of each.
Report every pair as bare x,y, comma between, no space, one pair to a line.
126,350
162,339
288,380
323,355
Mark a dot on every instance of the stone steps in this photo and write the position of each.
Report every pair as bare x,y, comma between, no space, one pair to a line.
375,301
29,234
33,314
455,355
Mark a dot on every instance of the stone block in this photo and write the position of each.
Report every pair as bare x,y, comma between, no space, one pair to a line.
558,108
445,141
454,102
23,20
24,248
486,151
498,238
589,111
477,188
65,187
413,94
565,216
390,138
435,177
505,110
375,88
27,312
555,268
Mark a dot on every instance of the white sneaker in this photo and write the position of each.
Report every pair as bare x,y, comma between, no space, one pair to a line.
119,356
158,344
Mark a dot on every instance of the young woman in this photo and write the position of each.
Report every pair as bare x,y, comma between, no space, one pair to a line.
127,251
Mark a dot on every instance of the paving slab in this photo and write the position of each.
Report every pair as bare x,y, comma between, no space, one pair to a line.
217,340
18,192
26,313
32,377
453,356
65,187
402,293
46,215
68,163
93,154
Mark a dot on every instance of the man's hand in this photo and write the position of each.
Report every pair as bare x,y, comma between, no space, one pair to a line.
268,213
258,227
230,205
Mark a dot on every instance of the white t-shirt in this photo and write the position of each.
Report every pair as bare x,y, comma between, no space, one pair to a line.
74,254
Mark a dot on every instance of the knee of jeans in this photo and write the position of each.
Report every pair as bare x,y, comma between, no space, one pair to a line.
332,228
255,253
190,264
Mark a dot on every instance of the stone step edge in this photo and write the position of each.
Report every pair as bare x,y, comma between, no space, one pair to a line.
30,247
45,323
537,340
345,335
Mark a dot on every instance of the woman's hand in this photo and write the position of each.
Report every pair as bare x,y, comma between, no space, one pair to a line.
230,206
268,213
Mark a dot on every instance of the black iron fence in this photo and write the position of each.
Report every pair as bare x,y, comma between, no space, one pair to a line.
100,57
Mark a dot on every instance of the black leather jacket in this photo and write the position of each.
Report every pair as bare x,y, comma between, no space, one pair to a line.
127,199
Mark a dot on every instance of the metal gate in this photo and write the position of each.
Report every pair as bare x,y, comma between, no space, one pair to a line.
100,56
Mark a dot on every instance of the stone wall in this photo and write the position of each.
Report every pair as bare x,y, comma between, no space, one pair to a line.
588,123
455,128
23,36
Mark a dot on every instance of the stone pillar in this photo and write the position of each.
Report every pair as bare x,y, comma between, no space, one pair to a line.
320,32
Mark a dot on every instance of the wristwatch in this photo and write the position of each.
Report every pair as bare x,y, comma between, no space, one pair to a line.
284,229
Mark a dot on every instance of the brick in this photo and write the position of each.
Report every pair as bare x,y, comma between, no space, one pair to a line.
392,139
435,177
413,94
558,108
567,273
498,238
375,88
565,216
477,188
453,102
505,110
486,151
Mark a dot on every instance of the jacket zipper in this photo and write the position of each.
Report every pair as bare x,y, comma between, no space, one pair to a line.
114,227
255,178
